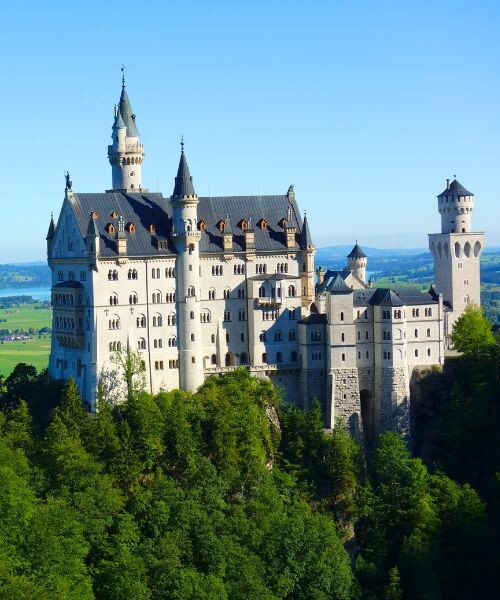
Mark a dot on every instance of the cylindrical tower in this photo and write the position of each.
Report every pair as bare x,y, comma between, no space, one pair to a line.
357,261
455,206
186,237
126,153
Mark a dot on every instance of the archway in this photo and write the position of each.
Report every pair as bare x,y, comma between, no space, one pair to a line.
230,360
368,418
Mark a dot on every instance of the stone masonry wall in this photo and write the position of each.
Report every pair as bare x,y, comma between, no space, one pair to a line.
392,397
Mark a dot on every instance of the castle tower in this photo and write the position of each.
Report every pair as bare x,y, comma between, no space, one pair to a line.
126,153
357,261
186,237
307,251
456,251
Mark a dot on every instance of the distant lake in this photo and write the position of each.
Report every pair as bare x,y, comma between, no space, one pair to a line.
38,293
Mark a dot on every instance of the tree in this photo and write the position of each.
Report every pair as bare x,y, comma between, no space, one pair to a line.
472,332
132,370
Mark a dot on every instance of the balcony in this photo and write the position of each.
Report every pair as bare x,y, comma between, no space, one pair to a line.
269,302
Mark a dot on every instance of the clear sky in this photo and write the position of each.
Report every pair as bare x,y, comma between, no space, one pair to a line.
367,107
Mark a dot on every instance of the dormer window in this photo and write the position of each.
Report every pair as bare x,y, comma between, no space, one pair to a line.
152,228
263,224
95,215
130,227
110,228
114,215
202,225
221,225
282,223
243,224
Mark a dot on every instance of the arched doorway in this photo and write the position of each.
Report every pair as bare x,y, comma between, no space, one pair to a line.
368,418
230,360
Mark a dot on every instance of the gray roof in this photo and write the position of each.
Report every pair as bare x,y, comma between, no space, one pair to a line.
337,285
455,189
398,296
128,116
119,122
356,252
144,209
183,182
314,319
329,278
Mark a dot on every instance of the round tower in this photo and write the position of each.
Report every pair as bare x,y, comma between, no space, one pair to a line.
357,261
186,237
455,206
126,153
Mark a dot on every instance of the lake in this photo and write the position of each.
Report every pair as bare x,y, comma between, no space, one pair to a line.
38,293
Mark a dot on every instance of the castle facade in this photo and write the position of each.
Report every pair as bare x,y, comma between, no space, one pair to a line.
198,286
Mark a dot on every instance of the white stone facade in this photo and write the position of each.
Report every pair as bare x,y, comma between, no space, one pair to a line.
200,286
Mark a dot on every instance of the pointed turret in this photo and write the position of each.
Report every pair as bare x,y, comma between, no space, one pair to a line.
52,228
50,234
305,235
119,122
92,237
357,261
183,182
128,116
126,153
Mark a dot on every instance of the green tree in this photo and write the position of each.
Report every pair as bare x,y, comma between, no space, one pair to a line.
472,331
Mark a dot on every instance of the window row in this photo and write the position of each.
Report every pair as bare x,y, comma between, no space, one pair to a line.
270,315
279,357
276,293
239,269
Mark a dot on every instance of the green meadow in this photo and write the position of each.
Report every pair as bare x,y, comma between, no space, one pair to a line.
34,351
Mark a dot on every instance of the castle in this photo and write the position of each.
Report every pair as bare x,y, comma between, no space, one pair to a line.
198,286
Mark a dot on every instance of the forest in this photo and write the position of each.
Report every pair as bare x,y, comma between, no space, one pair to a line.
228,493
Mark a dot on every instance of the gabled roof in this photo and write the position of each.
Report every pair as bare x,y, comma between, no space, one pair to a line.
398,296
356,252
337,285
386,297
455,189
126,112
183,182
147,208
305,235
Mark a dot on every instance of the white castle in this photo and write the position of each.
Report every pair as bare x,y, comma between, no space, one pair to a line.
201,285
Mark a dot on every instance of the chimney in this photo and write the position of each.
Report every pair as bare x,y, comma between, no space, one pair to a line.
447,184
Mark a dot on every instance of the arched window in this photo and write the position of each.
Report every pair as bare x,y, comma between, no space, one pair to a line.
113,299
291,291
213,359
140,321
264,357
279,357
141,344
343,357
191,314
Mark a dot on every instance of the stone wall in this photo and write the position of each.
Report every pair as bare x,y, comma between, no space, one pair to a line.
392,398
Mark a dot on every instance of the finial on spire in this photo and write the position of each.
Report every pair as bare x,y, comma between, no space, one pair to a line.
123,75
182,144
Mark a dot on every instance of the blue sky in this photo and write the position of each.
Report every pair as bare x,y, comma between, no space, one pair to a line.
367,107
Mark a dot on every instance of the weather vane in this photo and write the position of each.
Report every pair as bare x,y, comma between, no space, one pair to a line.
123,75
182,143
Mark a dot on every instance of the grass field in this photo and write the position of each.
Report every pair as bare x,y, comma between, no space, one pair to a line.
34,352
25,317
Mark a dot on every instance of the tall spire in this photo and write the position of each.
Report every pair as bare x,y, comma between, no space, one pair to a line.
305,234
52,228
183,181
125,109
